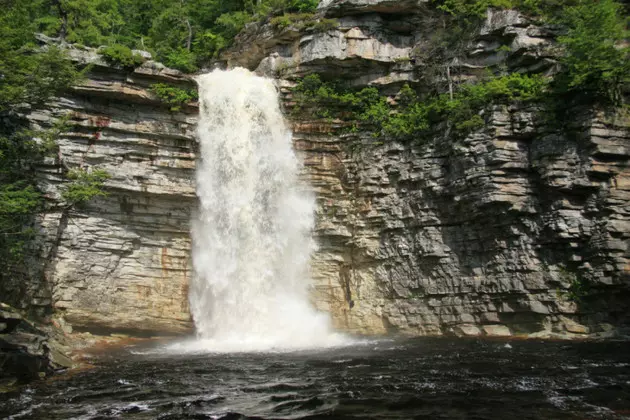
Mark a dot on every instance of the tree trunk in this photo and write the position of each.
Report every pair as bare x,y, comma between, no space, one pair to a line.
63,31
190,34
450,82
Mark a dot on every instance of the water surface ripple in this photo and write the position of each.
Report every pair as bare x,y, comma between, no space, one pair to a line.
390,379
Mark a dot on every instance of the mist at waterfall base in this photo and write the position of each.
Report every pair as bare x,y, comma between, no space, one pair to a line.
252,234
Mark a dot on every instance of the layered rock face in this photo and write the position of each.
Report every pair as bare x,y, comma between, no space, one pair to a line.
121,262
520,228
27,352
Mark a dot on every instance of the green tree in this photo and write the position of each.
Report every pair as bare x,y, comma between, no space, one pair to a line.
89,22
29,76
596,63
84,185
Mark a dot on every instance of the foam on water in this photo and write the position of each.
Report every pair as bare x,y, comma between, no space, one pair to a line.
252,234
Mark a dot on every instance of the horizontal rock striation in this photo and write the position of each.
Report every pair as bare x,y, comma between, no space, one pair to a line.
122,261
26,351
520,228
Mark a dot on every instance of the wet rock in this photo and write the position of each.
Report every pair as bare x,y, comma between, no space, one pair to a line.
482,235
496,330
26,351
467,331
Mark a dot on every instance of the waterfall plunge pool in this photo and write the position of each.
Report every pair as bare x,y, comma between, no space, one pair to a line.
426,378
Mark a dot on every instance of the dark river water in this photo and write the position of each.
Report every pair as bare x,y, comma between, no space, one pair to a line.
388,379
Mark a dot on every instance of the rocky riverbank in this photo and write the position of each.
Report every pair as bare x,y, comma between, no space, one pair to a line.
28,350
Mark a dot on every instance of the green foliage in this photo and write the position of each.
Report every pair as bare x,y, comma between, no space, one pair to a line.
183,59
18,153
578,287
28,74
331,100
17,199
277,7
183,34
187,33
121,55
596,66
32,77
578,290
302,5
471,8
596,63
290,19
84,186
300,21
323,25
412,115
173,96
597,58
462,110
49,137
90,22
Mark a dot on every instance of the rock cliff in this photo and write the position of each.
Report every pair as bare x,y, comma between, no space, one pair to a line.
496,234
121,262
520,228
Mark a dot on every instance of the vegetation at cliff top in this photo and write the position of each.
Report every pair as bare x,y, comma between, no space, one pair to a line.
596,62
595,67
180,33
121,55
411,116
301,21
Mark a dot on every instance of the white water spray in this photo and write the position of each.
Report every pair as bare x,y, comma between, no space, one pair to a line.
251,237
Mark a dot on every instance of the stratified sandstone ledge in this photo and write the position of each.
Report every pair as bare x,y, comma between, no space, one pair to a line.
481,236
121,263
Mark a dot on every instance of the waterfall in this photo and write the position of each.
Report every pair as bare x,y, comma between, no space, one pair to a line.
252,234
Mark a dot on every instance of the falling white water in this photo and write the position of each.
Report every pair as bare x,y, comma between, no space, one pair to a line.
251,236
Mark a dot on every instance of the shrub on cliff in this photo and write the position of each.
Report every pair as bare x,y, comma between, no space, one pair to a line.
122,56
413,115
84,185
471,8
317,98
462,109
302,21
173,96
596,61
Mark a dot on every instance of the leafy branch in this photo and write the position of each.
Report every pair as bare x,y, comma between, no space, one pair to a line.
173,96
84,186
